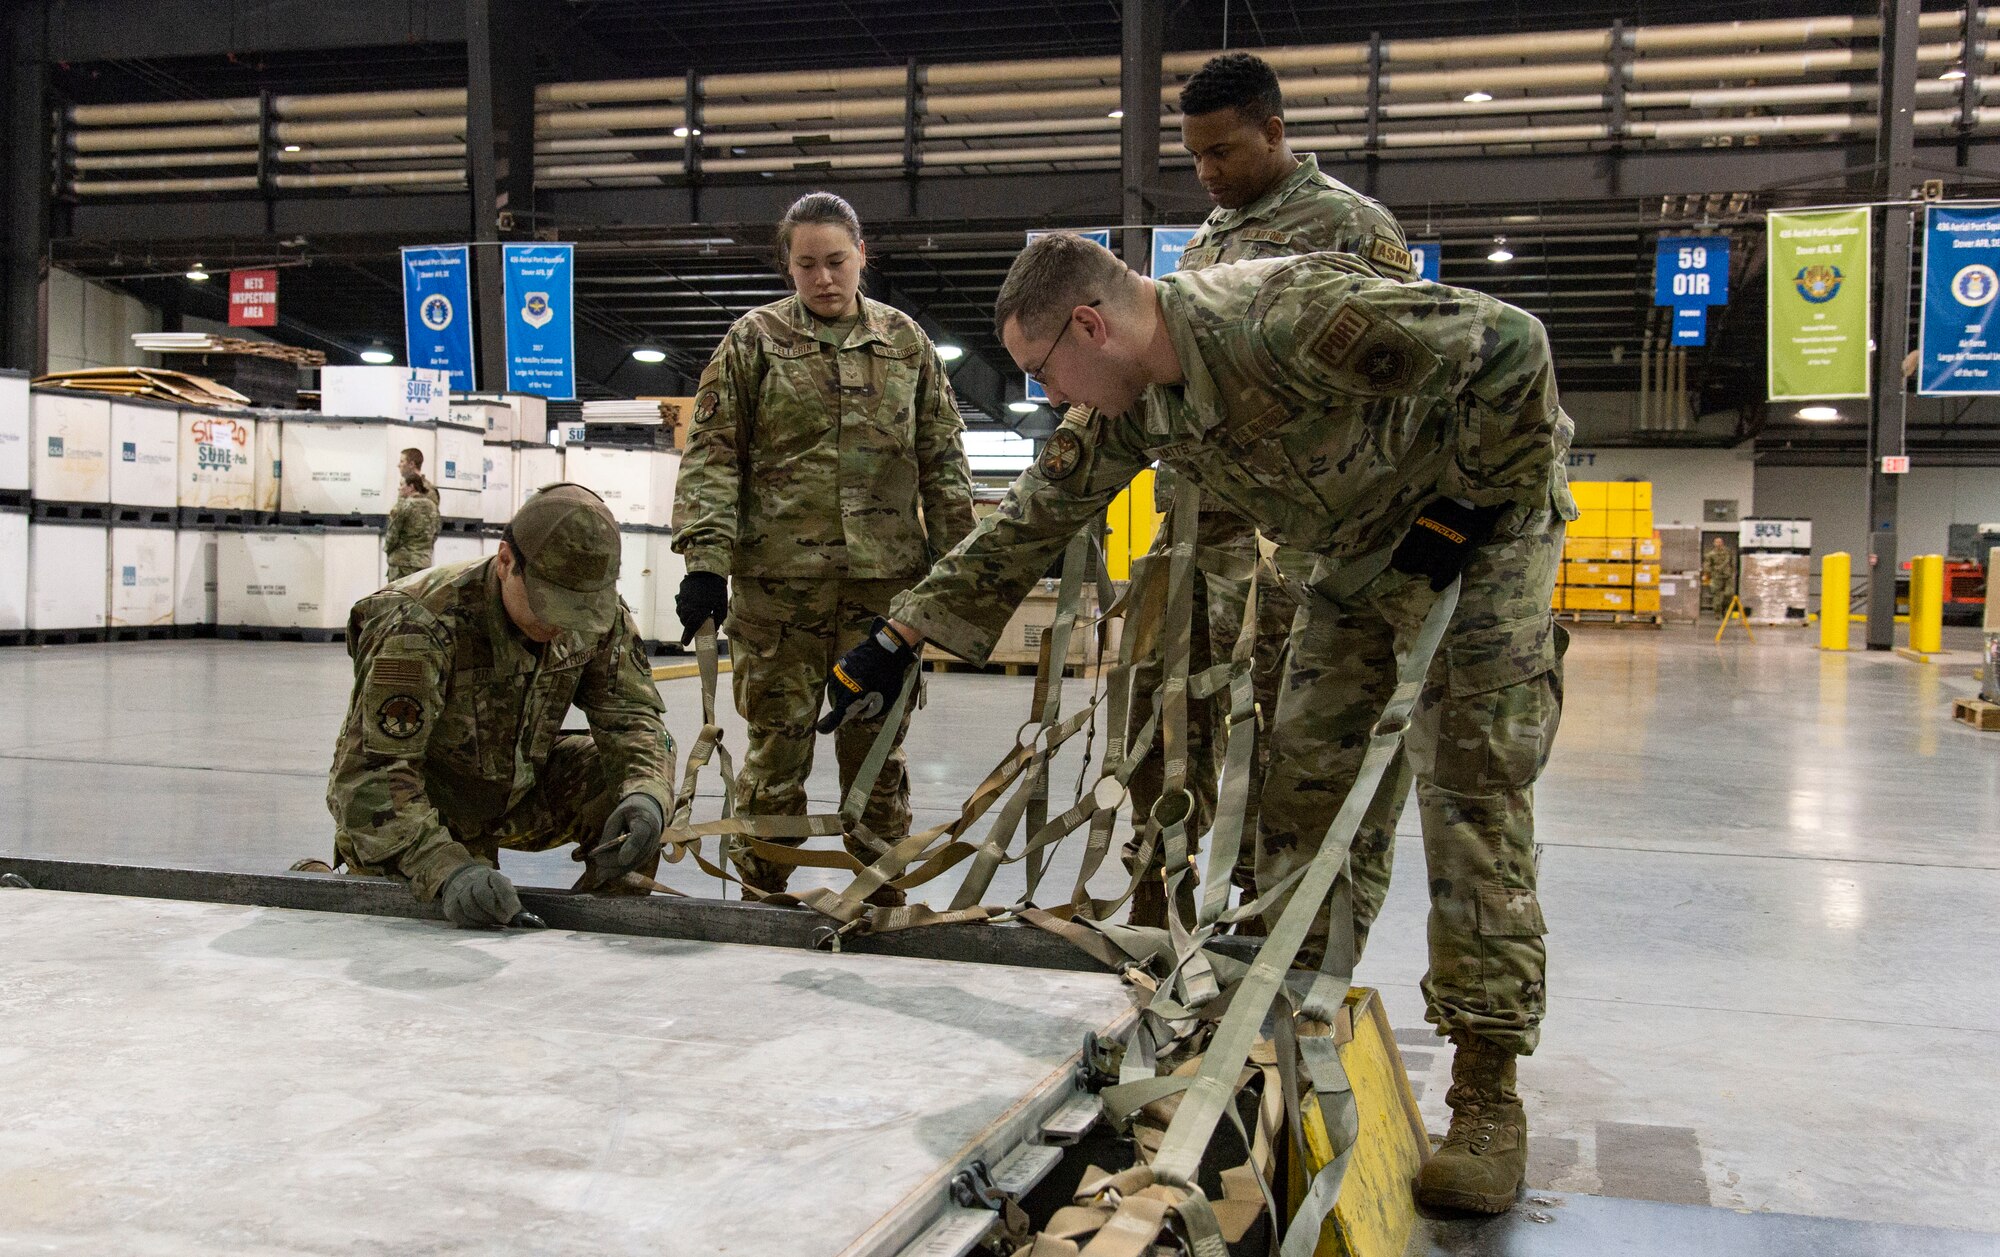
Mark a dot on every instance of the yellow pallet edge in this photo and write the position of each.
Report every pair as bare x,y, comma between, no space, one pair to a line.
1377,1211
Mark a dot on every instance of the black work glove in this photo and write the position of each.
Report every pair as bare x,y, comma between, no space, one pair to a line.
638,819
703,596
1441,542
867,679
475,896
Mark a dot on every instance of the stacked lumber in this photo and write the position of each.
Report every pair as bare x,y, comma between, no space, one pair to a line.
148,384
208,343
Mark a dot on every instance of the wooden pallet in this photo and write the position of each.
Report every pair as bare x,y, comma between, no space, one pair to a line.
1617,619
1976,712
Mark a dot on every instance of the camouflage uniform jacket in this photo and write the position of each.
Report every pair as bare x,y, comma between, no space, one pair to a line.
452,712
807,458
1321,402
411,532
1308,212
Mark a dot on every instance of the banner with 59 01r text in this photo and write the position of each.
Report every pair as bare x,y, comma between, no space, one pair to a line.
1816,343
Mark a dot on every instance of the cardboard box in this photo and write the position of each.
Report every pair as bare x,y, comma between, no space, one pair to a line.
140,584
1021,641
1680,596
1646,549
66,565
1598,549
145,455
1576,599
681,416
1617,575
13,431
218,469
527,417
410,394
194,577
13,571
69,441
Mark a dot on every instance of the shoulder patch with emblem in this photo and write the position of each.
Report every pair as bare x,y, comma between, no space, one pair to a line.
705,405
1389,253
1061,455
1377,357
401,716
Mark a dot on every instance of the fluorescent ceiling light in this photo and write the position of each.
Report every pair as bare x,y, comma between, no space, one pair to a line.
646,353
1953,75
197,274
950,353
681,133
1501,253
1024,407
1818,414
376,356
1116,113
1477,97
291,148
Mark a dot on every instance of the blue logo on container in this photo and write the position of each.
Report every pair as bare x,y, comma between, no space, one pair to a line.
55,447
128,452
128,576
450,470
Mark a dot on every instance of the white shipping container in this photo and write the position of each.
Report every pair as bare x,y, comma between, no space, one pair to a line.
13,431
194,577
66,564
347,466
488,546
460,471
668,571
575,432
454,547
415,394
496,501
635,576
270,461
494,419
638,485
145,459
302,579
69,442
538,465
13,571
140,590
218,462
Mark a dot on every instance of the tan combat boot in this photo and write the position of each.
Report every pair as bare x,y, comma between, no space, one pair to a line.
1484,1157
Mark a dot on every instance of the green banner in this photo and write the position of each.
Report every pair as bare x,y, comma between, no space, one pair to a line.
1816,345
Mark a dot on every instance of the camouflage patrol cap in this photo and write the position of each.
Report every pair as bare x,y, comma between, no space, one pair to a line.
569,543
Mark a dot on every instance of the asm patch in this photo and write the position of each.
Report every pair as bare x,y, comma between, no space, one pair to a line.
400,716
1389,253
1062,454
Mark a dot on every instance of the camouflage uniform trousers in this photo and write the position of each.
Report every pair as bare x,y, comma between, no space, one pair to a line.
784,636
569,803
1216,622
1479,738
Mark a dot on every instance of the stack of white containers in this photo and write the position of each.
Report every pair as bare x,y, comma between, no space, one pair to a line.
515,453
637,483
69,478
13,508
229,469
145,505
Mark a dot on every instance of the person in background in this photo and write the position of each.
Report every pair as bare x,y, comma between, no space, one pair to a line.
1718,573
411,462
413,527
824,473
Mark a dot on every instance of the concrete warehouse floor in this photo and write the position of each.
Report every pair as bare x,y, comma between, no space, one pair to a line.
1770,875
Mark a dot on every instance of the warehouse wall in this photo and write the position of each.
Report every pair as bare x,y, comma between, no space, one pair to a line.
1682,479
1836,500
91,325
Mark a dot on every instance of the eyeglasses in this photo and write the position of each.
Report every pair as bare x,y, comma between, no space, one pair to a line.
1036,374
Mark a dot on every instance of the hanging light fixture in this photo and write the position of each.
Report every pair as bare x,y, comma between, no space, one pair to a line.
1477,97
377,354
1501,253
1024,407
198,273
649,354
948,352
1818,414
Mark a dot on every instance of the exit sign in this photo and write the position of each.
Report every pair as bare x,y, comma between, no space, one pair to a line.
253,298
1895,464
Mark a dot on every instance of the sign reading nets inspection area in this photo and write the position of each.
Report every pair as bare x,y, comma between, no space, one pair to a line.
1961,331
1817,339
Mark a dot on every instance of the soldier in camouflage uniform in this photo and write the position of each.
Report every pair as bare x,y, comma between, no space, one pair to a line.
412,528
1404,434
1718,573
1269,203
411,463
824,472
462,676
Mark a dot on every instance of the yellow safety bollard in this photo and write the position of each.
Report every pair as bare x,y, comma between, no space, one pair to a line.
1834,571
1927,604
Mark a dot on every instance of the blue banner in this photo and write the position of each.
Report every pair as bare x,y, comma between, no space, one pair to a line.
1690,325
1691,271
437,312
1102,235
1168,245
1961,279
541,341
1426,255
